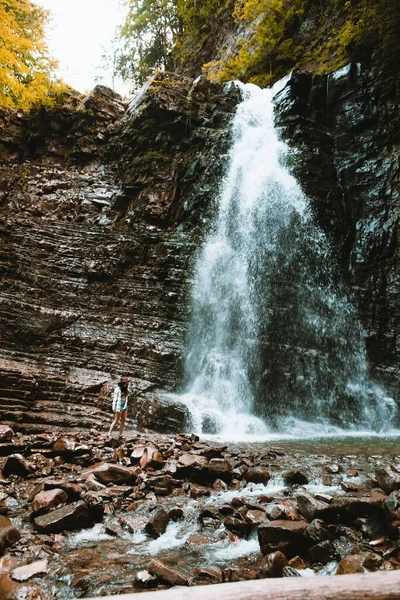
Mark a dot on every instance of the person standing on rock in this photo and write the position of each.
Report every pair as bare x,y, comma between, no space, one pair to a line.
120,405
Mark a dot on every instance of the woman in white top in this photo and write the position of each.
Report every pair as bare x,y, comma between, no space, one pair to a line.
120,404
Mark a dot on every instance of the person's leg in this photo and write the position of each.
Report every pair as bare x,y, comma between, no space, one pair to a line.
115,421
122,424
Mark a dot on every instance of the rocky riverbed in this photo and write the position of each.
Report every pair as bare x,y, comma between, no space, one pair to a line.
82,514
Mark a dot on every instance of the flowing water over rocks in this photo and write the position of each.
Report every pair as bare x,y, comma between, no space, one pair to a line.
272,332
82,514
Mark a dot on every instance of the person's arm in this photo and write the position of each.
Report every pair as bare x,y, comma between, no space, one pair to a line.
116,397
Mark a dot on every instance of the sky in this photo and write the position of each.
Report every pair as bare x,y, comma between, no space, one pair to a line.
79,33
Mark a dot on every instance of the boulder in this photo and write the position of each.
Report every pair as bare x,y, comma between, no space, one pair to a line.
257,474
272,565
46,500
158,523
220,468
9,535
40,567
16,465
71,517
295,478
388,480
144,579
161,485
323,552
151,458
207,575
359,563
288,537
160,413
310,507
6,433
109,473
165,573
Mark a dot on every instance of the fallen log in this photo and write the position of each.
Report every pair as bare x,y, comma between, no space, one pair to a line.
383,585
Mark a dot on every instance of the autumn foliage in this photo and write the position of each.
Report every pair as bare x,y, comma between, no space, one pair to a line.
25,66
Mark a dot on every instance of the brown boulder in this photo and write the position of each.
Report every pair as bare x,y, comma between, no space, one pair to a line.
387,480
158,523
221,468
70,517
40,567
46,500
6,433
273,564
287,536
109,473
257,474
16,465
165,573
295,478
359,563
9,535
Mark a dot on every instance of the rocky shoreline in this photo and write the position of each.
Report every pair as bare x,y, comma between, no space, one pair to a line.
82,514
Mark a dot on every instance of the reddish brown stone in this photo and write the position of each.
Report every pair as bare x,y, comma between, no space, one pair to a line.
257,475
34,569
46,500
165,573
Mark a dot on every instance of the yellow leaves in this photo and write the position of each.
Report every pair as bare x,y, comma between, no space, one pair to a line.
25,67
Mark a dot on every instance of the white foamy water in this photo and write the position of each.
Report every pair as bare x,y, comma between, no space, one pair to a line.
271,334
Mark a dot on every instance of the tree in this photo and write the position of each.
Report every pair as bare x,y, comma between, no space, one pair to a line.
148,34
25,66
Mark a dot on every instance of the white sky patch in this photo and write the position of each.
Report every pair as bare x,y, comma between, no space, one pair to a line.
79,33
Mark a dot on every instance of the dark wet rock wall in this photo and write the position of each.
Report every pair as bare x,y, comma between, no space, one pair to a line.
344,132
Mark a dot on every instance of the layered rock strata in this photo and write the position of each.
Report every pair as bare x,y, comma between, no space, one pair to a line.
94,245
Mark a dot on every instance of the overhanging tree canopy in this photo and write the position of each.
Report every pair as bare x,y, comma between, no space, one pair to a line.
25,66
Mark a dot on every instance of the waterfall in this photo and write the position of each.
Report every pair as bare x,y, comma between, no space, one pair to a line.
272,333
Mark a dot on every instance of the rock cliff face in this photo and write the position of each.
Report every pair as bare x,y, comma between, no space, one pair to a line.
347,160
102,209
94,248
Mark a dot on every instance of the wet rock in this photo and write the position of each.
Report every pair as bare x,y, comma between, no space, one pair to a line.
388,480
160,414
144,579
257,474
295,478
199,491
317,531
166,573
71,517
64,445
161,485
46,500
6,433
40,567
255,517
208,575
16,465
175,514
322,552
288,537
158,523
152,458
9,535
198,540
392,505
309,506
238,525
297,563
109,473
221,468
359,563
272,565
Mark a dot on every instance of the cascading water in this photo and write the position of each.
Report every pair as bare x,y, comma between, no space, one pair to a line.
270,332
